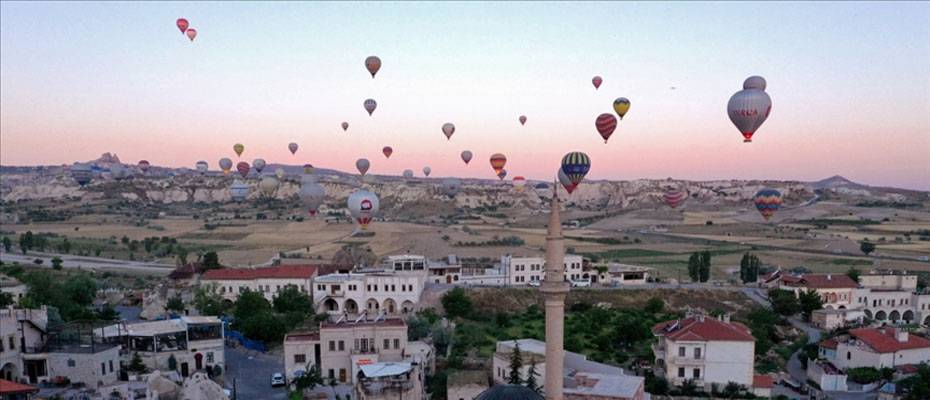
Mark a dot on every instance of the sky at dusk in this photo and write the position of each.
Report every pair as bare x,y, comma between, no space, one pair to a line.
849,82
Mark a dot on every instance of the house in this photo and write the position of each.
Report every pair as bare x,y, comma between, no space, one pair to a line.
466,385
342,347
583,378
371,293
23,355
836,290
884,347
14,287
231,282
832,319
530,270
827,376
762,385
704,349
615,274
389,381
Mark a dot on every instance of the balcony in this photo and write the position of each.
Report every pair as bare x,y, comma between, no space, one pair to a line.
658,350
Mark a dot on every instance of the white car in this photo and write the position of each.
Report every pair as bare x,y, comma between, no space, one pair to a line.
277,379
581,283
534,283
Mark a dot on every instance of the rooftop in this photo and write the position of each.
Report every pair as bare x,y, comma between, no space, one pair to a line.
883,340
280,272
573,362
11,388
346,323
302,337
821,281
385,369
459,378
703,328
338,278
763,381
594,384
829,344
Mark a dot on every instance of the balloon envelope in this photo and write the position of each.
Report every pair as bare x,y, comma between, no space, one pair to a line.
502,174
767,201
311,195
268,185
754,82
292,147
258,164
191,33
308,168
523,120
345,126
373,64
226,165
370,106
387,150
621,106
238,191
605,124
427,170
451,186
363,205
748,109
280,173
518,183
182,24
238,148
243,168
498,161
144,166
408,173
448,129
596,81
466,156
576,165
202,166
565,181
82,173
674,197
362,165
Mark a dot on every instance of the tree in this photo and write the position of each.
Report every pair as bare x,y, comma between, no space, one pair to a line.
136,365
266,327
456,303
694,267
182,255
291,299
175,304
749,267
211,260
917,387
66,246
56,263
784,302
7,244
310,379
107,313
250,304
6,299
531,376
516,363
26,241
705,266
655,305
810,301
853,274
731,390
867,247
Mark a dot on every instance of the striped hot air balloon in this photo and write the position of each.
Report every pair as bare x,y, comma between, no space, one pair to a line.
498,161
518,183
243,168
605,124
767,201
674,197
576,165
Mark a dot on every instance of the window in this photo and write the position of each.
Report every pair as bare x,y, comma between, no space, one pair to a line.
111,366
103,368
848,355
300,358
393,288
332,347
396,344
697,353
696,373
210,357
332,373
681,352
342,345
12,343
363,345
71,362
387,344
681,372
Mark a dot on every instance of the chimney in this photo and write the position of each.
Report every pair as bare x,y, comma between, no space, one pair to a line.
901,335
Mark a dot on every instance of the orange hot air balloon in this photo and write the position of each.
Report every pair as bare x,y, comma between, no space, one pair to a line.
523,120
182,24
191,34
387,150
498,161
373,64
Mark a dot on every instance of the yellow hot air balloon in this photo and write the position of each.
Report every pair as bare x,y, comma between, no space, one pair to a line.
621,106
238,148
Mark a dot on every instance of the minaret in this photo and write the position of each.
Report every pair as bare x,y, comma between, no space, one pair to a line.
554,288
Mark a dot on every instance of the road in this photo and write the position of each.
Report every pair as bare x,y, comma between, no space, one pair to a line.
73,261
251,371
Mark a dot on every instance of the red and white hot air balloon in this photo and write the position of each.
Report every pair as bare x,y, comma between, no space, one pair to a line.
597,80
750,107
387,150
373,64
606,124
243,168
518,183
191,33
448,129
182,24
674,197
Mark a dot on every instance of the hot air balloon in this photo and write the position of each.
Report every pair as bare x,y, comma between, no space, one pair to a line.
258,164
243,168
144,166
498,161
502,174
542,189
119,173
238,191
82,173
292,147
345,126
576,165
518,183
565,181
523,120
362,165
268,185
387,150
427,171
448,129
202,167
466,156
605,124
182,24
308,169
191,33
596,81
370,106
621,106
749,107
311,195
226,165
408,173
363,205
238,148
373,64
674,197
767,201
279,172
450,186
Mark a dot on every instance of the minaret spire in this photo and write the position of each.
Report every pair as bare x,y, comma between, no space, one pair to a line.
554,288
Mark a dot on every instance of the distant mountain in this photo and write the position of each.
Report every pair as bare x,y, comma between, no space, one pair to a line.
837,181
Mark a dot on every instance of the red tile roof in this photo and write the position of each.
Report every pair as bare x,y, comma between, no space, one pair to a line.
829,344
906,369
9,387
763,381
282,272
302,336
703,329
821,281
883,340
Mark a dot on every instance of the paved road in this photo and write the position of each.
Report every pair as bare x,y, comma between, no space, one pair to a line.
73,261
251,371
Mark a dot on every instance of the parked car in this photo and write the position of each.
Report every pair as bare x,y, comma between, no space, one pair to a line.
581,283
277,379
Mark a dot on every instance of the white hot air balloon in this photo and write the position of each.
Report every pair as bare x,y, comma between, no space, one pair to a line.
408,173
750,107
311,195
363,205
362,165
427,170
82,173
268,185
203,167
258,164
280,173
238,191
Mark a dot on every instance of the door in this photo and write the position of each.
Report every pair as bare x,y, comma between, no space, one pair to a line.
342,375
449,279
184,370
198,361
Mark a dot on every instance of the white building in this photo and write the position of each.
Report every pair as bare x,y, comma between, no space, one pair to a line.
530,270
14,287
23,355
584,379
705,350
230,282
837,291
621,274
392,293
404,263
876,347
